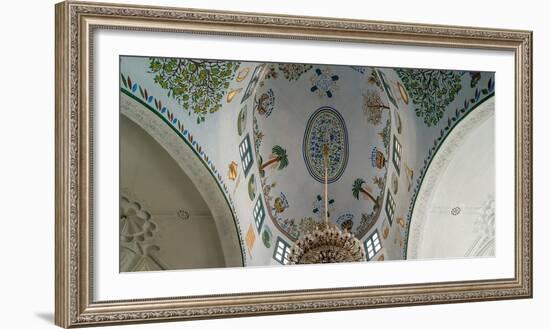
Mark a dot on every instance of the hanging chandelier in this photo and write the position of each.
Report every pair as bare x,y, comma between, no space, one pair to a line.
327,243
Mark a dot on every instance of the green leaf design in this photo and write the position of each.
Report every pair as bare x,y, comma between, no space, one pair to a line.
197,85
431,91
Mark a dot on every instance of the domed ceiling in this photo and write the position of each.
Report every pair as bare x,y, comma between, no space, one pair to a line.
260,129
331,111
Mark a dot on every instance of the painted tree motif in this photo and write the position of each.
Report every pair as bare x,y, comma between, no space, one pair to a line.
197,85
290,71
293,71
367,222
278,156
258,136
358,188
373,107
431,91
379,181
298,226
385,135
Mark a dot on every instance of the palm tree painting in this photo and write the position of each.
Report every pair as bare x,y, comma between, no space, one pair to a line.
278,156
358,188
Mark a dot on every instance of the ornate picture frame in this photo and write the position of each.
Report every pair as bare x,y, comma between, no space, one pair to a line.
76,23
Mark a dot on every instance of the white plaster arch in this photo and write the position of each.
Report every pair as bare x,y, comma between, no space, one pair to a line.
230,239
434,231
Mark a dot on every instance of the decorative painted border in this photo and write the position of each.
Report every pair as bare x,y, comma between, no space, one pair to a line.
74,168
131,88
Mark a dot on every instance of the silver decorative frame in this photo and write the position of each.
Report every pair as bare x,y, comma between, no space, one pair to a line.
76,21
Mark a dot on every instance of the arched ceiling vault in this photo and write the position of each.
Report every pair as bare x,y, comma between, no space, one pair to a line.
198,174
452,213
331,110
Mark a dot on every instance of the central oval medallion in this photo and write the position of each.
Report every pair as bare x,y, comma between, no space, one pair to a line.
326,126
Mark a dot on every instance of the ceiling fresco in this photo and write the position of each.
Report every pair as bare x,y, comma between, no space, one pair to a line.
261,128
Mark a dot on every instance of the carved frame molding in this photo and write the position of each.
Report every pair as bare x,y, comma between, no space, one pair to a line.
75,24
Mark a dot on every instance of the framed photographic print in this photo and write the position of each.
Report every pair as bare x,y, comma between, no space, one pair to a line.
214,164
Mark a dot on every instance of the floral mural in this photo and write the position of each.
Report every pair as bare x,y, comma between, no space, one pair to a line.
326,129
198,85
373,107
293,113
290,71
431,91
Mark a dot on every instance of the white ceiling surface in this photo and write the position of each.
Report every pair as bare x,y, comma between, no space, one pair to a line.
151,177
456,220
150,173
198,174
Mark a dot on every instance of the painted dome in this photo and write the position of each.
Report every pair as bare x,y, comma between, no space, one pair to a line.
256,132
300,110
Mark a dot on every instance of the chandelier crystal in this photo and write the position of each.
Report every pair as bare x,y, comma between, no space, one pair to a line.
327,243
